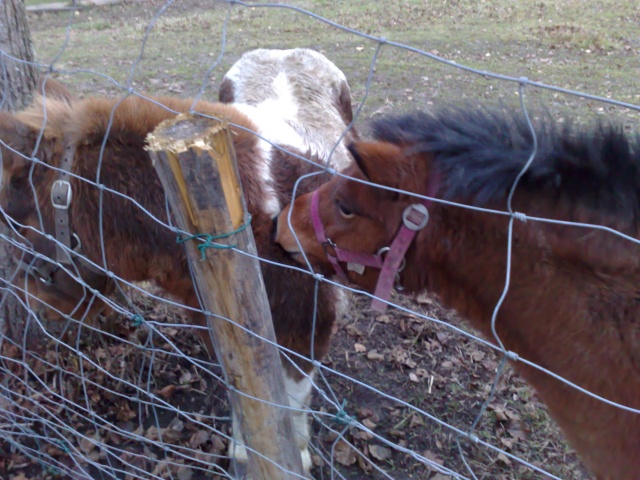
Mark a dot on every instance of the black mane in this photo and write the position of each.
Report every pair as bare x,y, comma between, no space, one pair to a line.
479,152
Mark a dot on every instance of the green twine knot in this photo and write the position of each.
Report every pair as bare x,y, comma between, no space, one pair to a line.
341,417
209,239
64,446
51,470
137,320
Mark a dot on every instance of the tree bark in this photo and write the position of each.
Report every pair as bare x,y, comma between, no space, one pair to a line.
17,81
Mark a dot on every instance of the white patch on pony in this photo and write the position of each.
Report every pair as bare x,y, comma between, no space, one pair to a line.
273,129
299,394
302,87
341,303
285,103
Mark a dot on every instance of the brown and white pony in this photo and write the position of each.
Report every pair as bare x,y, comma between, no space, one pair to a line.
573,302
136,247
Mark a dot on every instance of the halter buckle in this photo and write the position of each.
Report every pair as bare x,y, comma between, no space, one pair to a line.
403,264
329,244
61,194
415,217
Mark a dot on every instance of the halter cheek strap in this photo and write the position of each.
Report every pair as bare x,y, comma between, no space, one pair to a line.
414,218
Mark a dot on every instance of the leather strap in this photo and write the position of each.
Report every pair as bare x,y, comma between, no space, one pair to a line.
61,196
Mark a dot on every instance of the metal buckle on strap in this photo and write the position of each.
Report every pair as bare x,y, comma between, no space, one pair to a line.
415,217
329,244
61,194
403,264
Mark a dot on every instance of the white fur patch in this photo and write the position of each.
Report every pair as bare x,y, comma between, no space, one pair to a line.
272,128
296,92
299,395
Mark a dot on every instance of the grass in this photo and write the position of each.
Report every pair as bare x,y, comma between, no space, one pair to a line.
587,46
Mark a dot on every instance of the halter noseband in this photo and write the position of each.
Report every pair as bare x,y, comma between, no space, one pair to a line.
389,260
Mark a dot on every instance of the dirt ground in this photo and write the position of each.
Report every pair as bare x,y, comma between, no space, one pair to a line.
589,46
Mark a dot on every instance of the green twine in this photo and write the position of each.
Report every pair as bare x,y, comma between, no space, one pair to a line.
52,469
208,239
341,417
137,320
64,446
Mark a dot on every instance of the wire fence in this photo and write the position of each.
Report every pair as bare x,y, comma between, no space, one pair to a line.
125,391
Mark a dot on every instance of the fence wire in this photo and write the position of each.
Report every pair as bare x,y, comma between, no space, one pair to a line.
127,393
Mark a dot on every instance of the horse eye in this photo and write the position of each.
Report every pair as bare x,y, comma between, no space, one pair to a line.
344,211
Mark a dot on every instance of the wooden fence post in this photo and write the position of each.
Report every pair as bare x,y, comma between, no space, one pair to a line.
194,157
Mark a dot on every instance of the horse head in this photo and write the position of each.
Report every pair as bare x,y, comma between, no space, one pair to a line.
354,224
31,141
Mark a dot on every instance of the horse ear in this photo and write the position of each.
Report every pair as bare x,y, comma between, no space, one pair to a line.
54,89
226,93
344,104
17,136
379,161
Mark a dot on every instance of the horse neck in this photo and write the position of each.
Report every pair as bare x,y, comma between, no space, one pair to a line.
557,284
464,261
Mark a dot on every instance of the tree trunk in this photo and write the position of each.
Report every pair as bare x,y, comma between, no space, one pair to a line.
17,80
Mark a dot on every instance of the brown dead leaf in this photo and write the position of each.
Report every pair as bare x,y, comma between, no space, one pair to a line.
152,434
87,445
374,355
217,445
428,454
124,412
379,452
364,463
353,330
516,434
187,377
359,348
477,356
167,391
414,378
500,415
383,319
502,458
508,443
199,438
362,435
317,460
442,337
369,424
365,412
415,421
424,299
184,473
490,365
344,453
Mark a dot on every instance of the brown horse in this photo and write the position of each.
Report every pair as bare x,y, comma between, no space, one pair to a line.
139,248
573,300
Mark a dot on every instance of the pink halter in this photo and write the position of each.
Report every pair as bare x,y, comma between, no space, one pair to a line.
389,260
